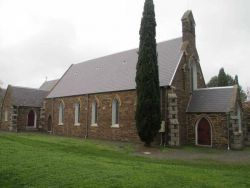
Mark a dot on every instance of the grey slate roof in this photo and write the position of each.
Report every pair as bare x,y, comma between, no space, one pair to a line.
27,97
48,85
116,72
218,99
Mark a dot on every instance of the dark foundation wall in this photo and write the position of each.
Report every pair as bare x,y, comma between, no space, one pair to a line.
218,122
104,130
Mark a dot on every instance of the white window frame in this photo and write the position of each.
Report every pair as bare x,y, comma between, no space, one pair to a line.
61,114
94,114
5,115
193,74
239,118
77,114
115,113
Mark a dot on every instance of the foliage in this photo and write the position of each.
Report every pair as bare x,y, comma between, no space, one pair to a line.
224,79
147,78
213,82
39,160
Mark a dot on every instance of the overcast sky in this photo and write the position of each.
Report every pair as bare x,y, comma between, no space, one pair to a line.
40,38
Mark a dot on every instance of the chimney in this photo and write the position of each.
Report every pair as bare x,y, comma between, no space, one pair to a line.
188,28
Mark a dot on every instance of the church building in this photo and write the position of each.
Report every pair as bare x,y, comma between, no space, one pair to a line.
97,98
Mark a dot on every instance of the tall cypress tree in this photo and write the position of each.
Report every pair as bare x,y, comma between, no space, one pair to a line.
147,78
222,78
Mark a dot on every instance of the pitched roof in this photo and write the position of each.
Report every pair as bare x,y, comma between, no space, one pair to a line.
48,85
217,99
116,72
27,96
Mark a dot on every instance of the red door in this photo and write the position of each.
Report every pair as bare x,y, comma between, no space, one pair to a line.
31,118
204,132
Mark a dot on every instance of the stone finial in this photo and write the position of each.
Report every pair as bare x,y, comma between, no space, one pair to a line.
188,32
188,27
188,23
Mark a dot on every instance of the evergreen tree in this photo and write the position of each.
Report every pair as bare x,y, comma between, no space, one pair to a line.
147,78
222,78
213,82
243,95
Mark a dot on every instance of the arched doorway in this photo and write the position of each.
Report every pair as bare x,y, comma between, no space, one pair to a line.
49,124
31,119
203,133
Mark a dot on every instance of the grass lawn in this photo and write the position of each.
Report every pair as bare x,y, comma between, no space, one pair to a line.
37,160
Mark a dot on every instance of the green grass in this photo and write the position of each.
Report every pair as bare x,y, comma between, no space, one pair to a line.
36,160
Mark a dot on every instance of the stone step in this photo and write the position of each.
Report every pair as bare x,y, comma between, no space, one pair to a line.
237,146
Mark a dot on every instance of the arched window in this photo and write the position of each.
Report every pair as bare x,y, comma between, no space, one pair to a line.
94,113
193,75
115,112
61,113
77,113
31,119
5,115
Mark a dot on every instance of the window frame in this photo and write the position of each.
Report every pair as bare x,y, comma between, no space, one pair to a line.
94,114
77,109
61,114
115,114
6,115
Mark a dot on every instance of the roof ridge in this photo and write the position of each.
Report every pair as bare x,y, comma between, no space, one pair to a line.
26,88
116,53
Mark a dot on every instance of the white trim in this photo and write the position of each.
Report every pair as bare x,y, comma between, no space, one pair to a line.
239,116
77,109
196,132
61,124
5,115
77,124
176,68
209,88
115,126
61,113
94,125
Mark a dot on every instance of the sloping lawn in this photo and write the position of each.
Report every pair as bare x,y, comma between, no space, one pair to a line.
36,160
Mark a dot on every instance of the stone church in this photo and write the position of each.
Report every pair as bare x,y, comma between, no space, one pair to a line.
97,99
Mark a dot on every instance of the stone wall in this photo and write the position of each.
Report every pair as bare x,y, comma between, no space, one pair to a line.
22,118
218,122
183,90
246,111
6,125
125,132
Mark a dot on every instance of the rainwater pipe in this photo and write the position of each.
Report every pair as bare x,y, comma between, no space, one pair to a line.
228,132
166,116
87,115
